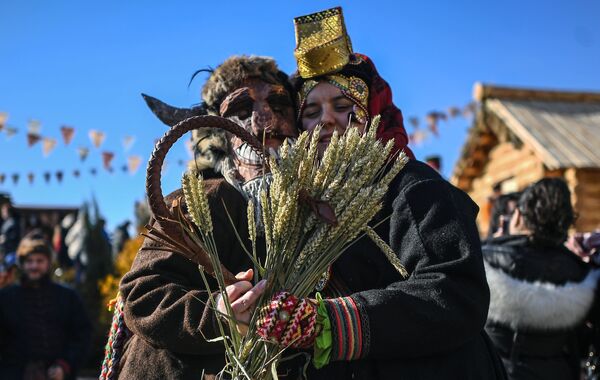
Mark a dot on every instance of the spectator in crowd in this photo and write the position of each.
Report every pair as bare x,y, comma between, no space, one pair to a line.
502,210
10,232
540,292
8,268
44,330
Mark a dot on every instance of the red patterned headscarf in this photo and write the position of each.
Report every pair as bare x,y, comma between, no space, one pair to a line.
391,125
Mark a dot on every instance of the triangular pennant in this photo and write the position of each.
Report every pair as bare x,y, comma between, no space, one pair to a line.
15,178
76,173
59,176
10,132
106,159
3,118
96,137
30,177
2,178
124,168
133,163
93,171
418,136
32,139
34,127
128,142
67,133
469,109
47,177
180,162
48,145
453,111
83,153
414,121
433,127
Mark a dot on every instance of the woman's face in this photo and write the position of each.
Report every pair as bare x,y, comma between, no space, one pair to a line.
326,105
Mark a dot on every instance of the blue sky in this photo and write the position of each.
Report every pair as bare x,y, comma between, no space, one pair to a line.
85,64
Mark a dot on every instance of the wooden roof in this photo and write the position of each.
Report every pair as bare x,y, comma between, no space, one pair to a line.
561,127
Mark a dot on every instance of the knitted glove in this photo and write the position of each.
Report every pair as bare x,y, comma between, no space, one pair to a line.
289,321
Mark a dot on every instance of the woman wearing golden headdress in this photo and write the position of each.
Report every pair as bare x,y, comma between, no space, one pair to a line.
429,325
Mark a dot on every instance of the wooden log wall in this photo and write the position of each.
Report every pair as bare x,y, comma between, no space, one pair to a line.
585,189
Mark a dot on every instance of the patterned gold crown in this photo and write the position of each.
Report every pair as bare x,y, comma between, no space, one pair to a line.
322,43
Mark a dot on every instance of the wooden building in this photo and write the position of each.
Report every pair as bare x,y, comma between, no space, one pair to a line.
522,135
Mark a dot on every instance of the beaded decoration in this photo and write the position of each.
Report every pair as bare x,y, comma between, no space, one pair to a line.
288,321
351,87
118,335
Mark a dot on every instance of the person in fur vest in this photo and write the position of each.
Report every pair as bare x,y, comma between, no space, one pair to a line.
540,293
163,293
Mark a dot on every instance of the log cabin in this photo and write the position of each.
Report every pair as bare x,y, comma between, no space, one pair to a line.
521,135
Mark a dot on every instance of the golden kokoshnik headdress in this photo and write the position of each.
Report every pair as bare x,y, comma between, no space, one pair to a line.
323,49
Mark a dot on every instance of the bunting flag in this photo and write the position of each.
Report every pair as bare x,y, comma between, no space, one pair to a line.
76,173
93,171
433,127
10,132
414,121
133,163
47,177
32,139
124,169
180,162
59,176
106,159
48,145
15,178
418,136
469,110
34,127
30,177
67,133
83,153
128,142
3,118
453,111
2,178
96,137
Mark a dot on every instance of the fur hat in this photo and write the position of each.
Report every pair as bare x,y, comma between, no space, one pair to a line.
33,242
231,74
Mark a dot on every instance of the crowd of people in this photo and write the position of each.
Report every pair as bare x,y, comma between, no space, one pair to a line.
520,304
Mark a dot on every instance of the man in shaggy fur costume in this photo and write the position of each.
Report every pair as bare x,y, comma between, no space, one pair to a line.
213,151
540,292
163,300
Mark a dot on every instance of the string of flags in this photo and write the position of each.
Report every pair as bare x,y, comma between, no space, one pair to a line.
67,133
131,166
422,130
48,144
432,120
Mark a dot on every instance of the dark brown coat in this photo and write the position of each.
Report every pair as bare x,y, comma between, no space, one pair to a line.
164,303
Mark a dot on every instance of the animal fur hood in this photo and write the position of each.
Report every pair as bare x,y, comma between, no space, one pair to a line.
533,288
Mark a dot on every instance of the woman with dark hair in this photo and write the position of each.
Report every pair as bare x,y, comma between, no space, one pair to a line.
375,324
540,292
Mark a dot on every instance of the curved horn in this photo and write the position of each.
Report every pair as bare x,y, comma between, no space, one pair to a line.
171,115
